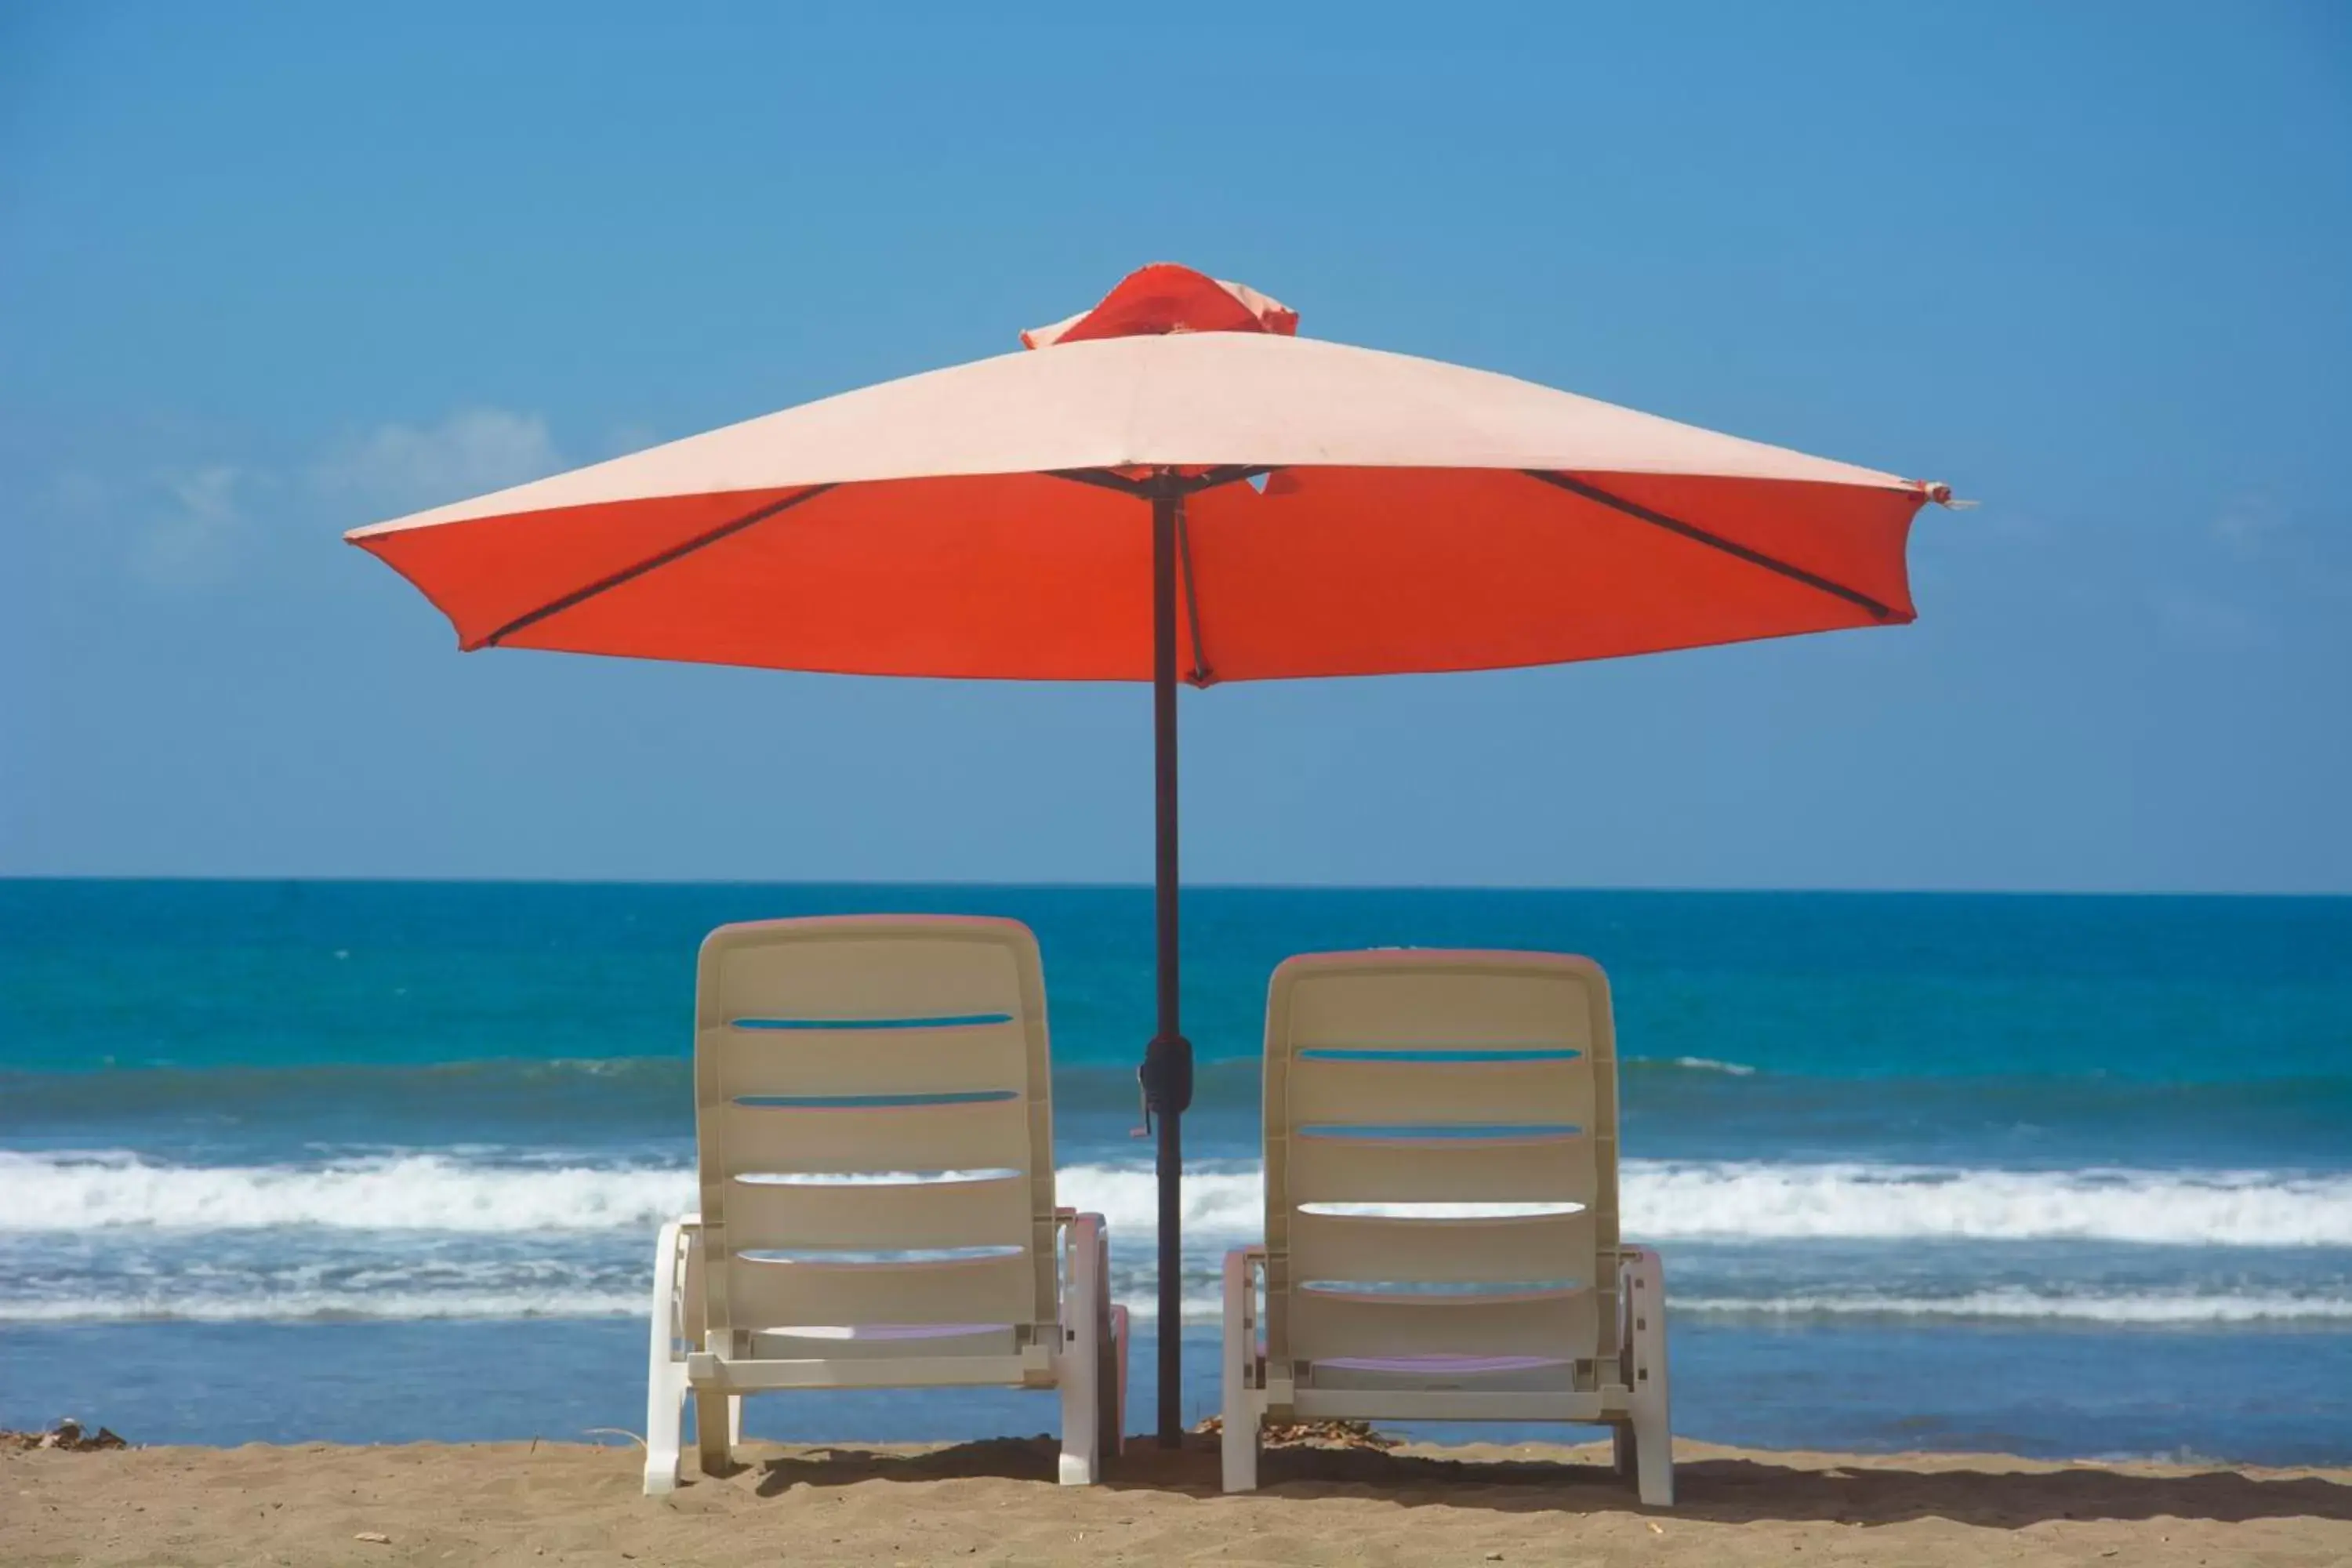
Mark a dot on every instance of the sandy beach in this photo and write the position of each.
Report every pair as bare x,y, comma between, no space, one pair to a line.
991,1504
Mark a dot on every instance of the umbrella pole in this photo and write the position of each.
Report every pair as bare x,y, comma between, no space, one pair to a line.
1168,1061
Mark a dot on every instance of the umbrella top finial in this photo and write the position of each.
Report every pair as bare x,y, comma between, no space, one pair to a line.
1166,298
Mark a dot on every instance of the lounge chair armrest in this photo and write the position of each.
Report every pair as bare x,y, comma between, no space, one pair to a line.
1086,1260
676,1236
679,1236
1635,1260
1246,1392
1248,1263
1641,1297
1641,1309
668,1376
1090,1354
1244,1270
1085,1229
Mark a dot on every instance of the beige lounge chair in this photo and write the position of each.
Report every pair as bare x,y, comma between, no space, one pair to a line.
874,1116
1441,1209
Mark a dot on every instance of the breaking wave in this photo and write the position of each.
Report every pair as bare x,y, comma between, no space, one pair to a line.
2154,1308
1727,1200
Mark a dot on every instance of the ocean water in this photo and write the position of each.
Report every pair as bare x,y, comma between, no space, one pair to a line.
375,1162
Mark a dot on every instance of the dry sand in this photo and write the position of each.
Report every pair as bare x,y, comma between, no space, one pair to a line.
992,1503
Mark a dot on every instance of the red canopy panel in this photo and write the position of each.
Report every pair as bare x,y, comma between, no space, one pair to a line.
1338,571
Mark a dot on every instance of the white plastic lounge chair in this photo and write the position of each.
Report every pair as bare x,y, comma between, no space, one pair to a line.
1441,1209
875,1120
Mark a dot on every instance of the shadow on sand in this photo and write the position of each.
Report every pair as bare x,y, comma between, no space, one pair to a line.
1718,1487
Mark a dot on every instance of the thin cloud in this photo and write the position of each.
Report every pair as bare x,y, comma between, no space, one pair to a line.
624,439
194,541
2298,555
193,529
398,468
2207,621
2249,525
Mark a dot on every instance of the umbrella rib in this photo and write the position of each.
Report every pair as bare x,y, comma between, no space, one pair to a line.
650,563
1230,474
1209,479
1184,484
1201,675
1795,573
1233,473
1103,478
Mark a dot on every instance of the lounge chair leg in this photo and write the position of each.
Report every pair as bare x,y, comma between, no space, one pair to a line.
1110,1368
1081,1355
1239,1441
1111,1392
712,1440
665,1370
1622,1458
1644,1281
665,1427
1239,1444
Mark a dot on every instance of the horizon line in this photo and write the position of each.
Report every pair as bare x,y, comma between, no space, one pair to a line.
1145,887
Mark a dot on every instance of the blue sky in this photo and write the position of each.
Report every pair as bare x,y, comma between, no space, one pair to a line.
268,272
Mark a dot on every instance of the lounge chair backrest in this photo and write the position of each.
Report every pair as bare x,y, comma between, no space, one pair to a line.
832,1055
1409,1077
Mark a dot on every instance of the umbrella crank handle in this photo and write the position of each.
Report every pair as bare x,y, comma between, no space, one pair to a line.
1165,1078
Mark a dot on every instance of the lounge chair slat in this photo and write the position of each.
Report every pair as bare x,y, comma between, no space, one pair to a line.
1453,1170
974,1135
1466,1251
1327,1326
863,971
782,1295
1473,1405
1405,1090
998,1341
961,1060
881,1217
1422,1007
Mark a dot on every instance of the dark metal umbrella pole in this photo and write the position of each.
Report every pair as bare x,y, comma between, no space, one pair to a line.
1167,1072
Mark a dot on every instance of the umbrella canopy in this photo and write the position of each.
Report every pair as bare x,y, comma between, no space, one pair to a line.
1173,487
1411,515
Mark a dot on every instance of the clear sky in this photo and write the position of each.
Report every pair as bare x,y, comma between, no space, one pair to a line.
270,271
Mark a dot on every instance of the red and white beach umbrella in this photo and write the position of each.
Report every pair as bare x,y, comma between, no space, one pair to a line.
1173,487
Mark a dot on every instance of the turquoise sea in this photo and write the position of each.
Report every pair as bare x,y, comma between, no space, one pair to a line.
382,1161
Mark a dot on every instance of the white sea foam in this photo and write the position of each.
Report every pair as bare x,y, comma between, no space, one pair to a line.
327,1306
1664,1201
1759,1201
413,1192
2153,1308
1743,1201
1696,1064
